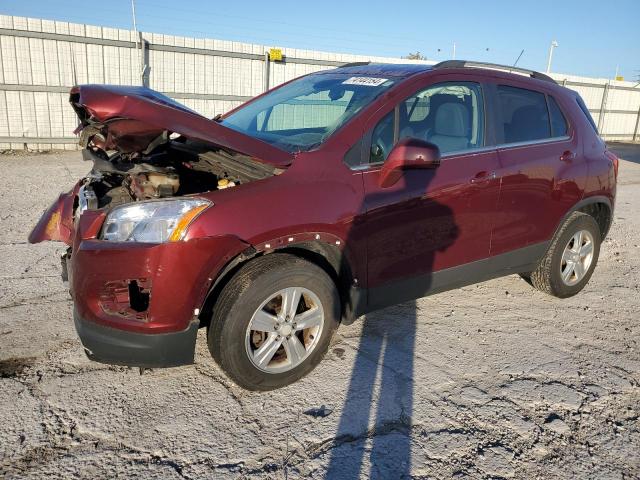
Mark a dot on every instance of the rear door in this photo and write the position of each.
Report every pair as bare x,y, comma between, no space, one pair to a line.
539,154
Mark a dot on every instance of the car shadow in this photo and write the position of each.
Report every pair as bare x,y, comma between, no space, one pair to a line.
382,379
626,151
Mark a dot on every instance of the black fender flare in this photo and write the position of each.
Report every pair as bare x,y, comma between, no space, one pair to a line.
585,202
337,262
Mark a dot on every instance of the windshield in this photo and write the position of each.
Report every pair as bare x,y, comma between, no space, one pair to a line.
302,114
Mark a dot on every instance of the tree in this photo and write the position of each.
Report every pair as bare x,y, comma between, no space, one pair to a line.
415,56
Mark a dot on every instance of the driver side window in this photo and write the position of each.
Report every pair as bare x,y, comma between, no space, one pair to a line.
382,139
450,114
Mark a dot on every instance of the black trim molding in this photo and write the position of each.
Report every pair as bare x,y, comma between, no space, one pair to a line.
518,261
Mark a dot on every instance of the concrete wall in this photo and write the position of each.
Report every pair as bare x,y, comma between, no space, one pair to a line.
41,59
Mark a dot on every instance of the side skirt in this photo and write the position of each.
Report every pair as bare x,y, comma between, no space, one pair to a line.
517,261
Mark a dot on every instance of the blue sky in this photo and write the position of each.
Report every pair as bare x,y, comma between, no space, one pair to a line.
594,36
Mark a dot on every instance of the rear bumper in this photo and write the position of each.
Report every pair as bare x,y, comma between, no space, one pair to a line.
148,350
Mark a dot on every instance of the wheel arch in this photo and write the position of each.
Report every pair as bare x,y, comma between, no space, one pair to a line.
326,255
599,207
602,212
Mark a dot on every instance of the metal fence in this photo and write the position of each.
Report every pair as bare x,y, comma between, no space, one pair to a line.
41,59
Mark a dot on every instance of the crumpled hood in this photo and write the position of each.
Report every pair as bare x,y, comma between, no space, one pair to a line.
129,118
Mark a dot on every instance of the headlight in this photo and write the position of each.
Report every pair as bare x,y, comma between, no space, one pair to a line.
152,222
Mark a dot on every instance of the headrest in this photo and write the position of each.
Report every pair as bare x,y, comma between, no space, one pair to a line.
452,119
527,115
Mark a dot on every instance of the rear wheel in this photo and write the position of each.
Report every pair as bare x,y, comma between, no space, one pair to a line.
273,321
568,264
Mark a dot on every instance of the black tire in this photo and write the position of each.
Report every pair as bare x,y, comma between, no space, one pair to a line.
244,294
526,276
547,277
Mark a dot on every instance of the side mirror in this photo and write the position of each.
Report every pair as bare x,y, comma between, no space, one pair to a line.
409,153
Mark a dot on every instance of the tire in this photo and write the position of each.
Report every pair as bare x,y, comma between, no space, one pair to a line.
526,276
548,275
231,340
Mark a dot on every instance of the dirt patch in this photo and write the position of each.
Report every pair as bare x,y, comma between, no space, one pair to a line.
13,367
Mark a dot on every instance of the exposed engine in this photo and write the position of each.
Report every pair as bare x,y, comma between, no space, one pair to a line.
173,168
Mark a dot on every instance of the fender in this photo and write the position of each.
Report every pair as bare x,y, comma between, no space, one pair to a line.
339,264
585,202
56,223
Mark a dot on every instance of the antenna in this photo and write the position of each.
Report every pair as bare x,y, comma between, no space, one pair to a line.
517,59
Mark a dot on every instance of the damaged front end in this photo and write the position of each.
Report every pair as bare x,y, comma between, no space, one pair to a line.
56,224
137,284
142,146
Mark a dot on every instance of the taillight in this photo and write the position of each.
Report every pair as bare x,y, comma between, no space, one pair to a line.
614,160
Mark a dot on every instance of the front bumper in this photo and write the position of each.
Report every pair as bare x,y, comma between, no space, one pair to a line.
148,350
135,304
160,332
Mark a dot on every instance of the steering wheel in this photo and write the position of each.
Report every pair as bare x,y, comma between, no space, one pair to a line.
379,150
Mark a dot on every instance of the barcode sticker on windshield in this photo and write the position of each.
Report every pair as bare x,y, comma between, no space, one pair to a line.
366,81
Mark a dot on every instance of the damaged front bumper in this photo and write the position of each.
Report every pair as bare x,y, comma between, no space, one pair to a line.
120,347
135,304
56,223
139,304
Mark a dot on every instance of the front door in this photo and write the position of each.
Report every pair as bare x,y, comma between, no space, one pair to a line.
430,220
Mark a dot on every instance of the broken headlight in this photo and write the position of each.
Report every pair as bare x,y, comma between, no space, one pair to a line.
152,222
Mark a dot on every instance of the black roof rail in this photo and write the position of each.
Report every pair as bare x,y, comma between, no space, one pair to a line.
494,66
354,64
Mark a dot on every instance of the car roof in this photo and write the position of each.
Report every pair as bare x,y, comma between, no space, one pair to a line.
403,70
386,69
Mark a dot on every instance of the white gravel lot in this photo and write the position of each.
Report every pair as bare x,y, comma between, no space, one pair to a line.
495,380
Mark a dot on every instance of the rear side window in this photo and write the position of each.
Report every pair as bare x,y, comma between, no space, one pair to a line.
587,114
558,122
524,114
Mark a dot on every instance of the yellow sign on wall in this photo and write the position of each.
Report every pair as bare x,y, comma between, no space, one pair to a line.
275,55
620,78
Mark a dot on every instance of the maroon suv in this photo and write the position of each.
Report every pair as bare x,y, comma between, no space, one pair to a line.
338,193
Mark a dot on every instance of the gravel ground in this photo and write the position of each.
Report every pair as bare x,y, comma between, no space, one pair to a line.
495,380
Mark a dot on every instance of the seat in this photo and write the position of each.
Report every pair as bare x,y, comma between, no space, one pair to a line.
451,127
527,123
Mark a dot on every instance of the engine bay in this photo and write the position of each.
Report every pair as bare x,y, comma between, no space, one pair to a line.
172,169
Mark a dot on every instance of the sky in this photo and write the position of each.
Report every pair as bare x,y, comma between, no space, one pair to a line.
594,37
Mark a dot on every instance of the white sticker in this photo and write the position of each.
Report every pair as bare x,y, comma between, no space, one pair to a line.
366,81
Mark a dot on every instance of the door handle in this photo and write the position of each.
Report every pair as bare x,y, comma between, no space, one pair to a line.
567,156
483,177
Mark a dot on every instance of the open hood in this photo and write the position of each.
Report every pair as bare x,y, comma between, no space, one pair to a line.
132,119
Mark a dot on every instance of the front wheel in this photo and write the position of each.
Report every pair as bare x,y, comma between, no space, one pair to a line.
568,264
273,321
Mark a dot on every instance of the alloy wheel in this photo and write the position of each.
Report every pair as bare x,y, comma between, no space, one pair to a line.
576,257
284,330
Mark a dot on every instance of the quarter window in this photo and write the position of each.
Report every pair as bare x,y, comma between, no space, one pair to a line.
585,110
558,122
524,114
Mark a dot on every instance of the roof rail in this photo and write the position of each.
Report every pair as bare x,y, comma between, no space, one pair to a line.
494,66
354,64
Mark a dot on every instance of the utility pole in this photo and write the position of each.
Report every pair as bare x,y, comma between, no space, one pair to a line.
553,45
141,45
133,14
